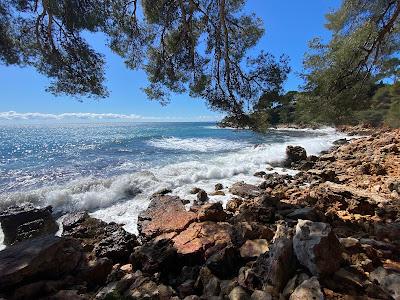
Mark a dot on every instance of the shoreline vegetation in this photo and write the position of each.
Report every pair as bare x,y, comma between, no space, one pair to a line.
332,231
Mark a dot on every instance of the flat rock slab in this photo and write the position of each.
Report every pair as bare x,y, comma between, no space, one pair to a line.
200,236
245,190
165,214
46,257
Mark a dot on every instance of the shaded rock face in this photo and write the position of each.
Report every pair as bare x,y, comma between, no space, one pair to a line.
165,214
26,221
308,289
317,247
105,240
276,267
390,281
295,154
46,257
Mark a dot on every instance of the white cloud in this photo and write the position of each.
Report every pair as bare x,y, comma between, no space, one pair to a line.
36,116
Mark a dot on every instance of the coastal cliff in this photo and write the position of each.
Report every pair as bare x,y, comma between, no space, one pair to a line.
332,231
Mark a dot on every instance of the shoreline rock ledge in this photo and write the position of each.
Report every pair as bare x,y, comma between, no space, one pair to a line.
332,231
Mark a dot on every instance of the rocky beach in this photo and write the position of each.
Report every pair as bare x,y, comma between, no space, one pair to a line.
332,231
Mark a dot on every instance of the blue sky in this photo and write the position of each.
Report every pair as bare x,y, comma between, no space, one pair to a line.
289,26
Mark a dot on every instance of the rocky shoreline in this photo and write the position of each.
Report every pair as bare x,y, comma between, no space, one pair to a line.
330,232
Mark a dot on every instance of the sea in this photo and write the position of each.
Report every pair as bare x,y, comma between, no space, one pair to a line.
112,169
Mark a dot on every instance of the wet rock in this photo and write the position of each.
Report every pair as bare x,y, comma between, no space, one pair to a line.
295,154
162,192
317,247
254,248
219,187
238,293
389,281
341,142
308,289
260,174
202,196
165,214
26,221
211,212
276,266
43,257
306,213
245,190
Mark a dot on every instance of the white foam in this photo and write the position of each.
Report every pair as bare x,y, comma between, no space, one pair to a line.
196,144
113,199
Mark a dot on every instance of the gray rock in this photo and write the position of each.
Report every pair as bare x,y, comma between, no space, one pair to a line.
26,221
317,247
245,190
389,281
202,196
308,289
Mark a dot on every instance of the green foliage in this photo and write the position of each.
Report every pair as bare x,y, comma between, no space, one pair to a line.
195,46
340,76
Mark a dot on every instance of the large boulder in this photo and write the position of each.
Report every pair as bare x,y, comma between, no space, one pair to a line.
245,190
105,240
26,221
165,214
295,154
389,281
317,247
276,266
46,257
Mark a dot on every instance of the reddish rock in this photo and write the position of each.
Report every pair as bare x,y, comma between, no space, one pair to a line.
211,212
165,214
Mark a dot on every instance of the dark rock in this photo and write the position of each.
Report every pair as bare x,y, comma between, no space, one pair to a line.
389,281
68,295
202,196
46,257
306,213
155,256
162,192
245,190
372,168
317,247
106,240
295,154
394,186
260,295
260,174
341,142
219,187
224,263
233,204
142,288
95,271
248,212
195,190
165,214
26,221
276,266
117,245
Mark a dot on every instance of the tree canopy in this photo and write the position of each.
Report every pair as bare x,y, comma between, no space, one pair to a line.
194,46
341,75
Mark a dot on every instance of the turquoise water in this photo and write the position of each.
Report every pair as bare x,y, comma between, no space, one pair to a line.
112,169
